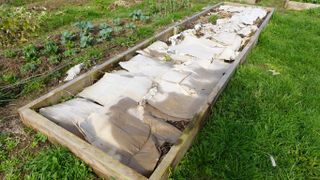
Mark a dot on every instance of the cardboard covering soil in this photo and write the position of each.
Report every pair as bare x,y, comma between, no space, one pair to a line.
114,86
145,66
123,136
68,113
162,83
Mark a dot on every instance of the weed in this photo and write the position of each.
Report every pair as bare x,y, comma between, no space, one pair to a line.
38,138
70,52
131,26
33,86
213,19
118,29
54,59
9,53
18,24
9,77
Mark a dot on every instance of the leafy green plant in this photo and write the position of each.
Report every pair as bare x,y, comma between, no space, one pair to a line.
84,26
28,67
104,26
66,37
51,48
70,52
85,40
138,15
213,19
131,26
9,53
9,77
116,22
105,34
17,24
30,52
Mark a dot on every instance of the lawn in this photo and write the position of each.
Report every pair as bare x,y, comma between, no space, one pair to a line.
259,115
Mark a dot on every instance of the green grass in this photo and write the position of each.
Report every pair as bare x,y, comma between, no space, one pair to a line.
52,162
309,1
259,114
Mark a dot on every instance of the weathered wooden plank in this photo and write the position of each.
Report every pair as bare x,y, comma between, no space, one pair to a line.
102,163
300,5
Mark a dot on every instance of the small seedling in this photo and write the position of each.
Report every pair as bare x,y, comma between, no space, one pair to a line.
67,37
105,34
104,26
131,26
138,15
85,40
51,48
116,22
30,53
84,26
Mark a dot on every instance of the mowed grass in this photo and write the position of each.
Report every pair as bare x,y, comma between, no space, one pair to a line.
260,115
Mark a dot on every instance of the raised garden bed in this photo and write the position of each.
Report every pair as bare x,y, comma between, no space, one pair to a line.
103,164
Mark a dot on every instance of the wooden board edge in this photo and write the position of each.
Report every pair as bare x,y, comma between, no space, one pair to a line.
176,153
295,5
99,161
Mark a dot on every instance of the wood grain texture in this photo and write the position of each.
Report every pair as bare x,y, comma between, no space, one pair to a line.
100,162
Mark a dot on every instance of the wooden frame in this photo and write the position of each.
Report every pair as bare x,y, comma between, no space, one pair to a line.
102,163
294,5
